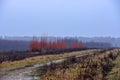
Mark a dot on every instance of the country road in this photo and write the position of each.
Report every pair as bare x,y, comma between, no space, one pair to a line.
23,74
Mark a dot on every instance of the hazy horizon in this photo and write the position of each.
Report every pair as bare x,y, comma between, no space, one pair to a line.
57,36
94,18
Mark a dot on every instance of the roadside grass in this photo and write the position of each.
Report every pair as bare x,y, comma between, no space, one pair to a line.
90,68
70,73
76,71
114,74
40,59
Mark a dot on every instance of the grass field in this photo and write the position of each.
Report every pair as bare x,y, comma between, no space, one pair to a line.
99,66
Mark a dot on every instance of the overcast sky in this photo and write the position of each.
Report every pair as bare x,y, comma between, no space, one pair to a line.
60,18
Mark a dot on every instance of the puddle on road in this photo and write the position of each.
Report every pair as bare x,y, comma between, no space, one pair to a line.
19,77
29,78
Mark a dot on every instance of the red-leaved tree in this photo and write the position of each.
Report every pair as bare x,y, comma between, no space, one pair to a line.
34,45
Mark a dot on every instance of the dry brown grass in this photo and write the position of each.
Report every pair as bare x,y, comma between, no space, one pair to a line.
91,68
114,74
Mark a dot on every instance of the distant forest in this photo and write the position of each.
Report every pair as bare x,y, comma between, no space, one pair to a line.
14,45
23,45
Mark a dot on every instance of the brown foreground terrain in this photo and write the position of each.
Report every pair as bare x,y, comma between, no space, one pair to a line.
103,66
95,64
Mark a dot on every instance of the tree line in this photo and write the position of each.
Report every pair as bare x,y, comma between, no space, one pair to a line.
58,44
